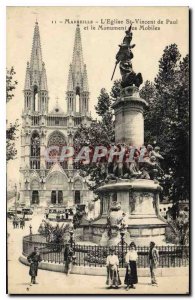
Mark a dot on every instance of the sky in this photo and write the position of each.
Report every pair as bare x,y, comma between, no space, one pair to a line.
99,47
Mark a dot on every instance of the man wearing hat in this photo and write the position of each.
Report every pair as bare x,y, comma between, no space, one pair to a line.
112,265
153,262
34,258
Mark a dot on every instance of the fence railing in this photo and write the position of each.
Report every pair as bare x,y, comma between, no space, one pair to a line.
95,256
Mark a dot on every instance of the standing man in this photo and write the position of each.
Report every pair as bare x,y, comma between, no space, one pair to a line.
153,262
34,258
68,254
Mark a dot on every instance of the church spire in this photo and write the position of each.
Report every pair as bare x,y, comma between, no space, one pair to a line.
36,53
77,78
77,60
35,89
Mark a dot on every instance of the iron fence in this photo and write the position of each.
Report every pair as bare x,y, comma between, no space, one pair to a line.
95,256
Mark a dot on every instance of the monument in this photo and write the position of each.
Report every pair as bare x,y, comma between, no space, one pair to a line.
130,193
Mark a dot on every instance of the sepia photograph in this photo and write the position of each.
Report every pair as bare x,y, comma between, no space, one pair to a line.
98,150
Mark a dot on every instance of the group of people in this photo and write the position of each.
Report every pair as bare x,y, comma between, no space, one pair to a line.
35,258
112,265
18,222
131,278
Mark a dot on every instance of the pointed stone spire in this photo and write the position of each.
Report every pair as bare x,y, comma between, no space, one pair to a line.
43,78
77,61
36,54
27,78
77,86
35,89
70,79
85,80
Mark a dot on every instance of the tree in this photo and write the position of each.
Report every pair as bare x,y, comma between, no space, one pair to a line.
167,120
148,93
11,137
115,90
104,110
100,132
10,83
12,128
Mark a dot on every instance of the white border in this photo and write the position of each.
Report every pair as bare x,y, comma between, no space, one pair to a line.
3,5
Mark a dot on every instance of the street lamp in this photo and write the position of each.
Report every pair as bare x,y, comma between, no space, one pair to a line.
71,237
122,233
30,227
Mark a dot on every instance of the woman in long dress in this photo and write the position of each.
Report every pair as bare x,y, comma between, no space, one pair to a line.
112,264
131,267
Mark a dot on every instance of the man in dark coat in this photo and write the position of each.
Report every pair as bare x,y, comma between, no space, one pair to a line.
68,254
34,258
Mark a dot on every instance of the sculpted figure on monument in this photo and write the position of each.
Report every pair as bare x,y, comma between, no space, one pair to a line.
124,57
132,167
156,153
150,168
128,38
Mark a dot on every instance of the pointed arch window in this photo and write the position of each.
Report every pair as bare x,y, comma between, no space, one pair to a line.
35,151
35,98
77,99
56,139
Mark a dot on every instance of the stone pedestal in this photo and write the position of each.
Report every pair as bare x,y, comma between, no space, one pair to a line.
129,121
139,200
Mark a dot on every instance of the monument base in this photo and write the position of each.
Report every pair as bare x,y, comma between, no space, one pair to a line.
138,199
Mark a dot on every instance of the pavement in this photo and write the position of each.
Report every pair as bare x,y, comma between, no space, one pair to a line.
58,283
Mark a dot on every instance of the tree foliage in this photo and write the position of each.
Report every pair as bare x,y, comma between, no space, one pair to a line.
11,83
167,120
100,132
11,136
12,128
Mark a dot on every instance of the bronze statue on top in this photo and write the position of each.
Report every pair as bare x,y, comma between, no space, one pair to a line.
124,57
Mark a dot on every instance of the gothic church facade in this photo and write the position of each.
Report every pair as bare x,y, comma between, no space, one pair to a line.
44,183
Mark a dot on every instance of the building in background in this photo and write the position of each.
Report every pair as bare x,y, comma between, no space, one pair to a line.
42,182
